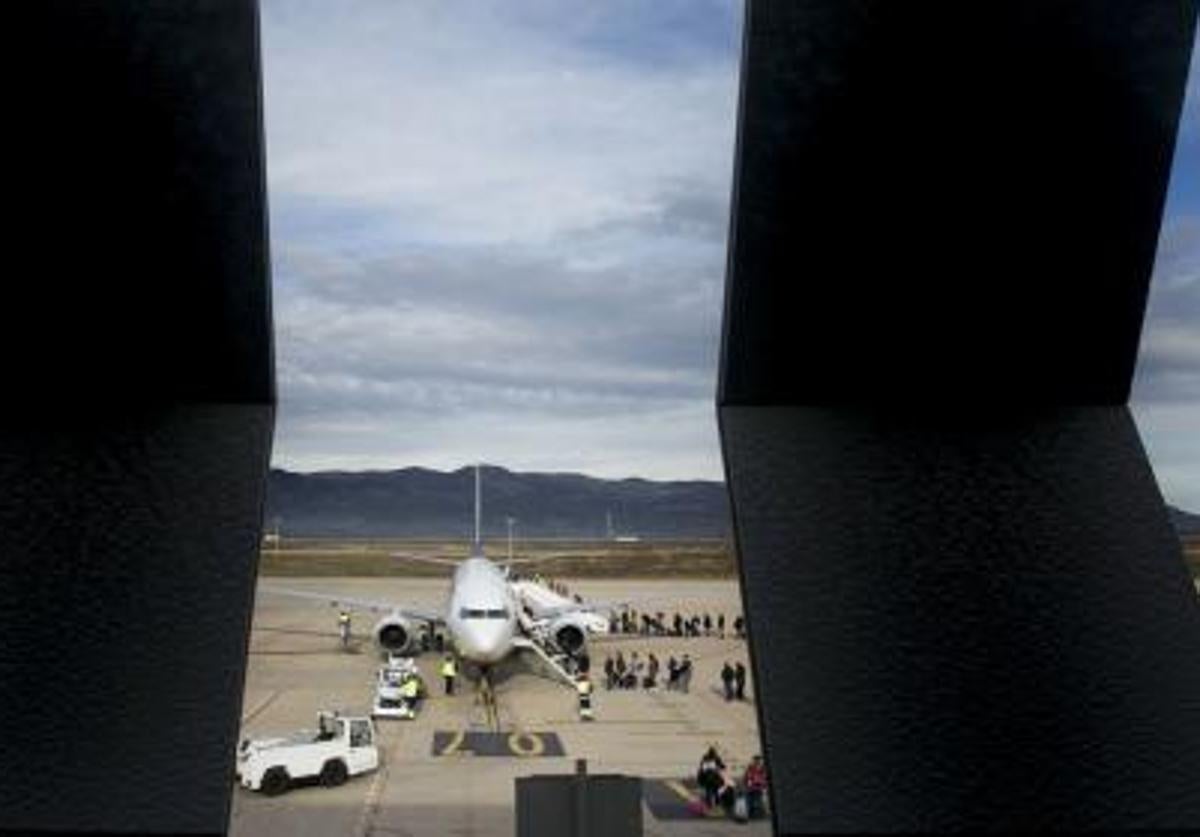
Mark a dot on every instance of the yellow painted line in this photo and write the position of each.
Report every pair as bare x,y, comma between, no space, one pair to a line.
260,706
370,808
678,787
688,796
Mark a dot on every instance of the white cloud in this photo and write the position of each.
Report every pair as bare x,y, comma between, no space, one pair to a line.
493,240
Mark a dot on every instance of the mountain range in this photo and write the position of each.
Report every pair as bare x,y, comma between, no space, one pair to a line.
419,502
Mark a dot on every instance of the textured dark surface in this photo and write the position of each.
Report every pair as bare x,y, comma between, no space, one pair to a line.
987,624
130,548
968,610
926,175
136,429
549,806
141,206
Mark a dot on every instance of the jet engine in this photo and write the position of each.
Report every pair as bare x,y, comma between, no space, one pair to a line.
569,633
395,634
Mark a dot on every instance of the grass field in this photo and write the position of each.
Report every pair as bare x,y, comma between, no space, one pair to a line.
646,559
580,559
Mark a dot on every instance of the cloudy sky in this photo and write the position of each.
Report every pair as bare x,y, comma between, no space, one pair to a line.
498,233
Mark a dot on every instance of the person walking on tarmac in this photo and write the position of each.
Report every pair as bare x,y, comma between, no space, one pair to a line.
344,629
584,687
449,672
727,680
739,681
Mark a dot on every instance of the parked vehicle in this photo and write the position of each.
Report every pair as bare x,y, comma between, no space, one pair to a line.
339,748
398,690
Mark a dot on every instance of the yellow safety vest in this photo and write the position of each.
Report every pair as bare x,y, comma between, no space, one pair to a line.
409,688
448,668
584,687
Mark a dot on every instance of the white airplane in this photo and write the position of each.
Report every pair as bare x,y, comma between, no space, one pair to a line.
483,614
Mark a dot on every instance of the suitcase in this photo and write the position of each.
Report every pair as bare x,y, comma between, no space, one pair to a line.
741,808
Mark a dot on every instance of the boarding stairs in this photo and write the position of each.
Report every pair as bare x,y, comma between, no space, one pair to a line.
556,664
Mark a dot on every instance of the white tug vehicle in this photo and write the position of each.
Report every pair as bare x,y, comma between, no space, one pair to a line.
398,689
340,747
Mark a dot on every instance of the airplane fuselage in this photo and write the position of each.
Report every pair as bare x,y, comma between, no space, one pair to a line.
481,613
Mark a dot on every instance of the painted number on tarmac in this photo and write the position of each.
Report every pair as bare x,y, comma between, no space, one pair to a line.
516,744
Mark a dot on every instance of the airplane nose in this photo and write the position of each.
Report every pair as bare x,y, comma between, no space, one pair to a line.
491,645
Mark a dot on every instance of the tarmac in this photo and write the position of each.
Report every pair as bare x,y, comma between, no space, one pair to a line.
445,773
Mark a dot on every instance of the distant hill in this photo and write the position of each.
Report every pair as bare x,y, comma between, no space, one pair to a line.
418,502
1186,523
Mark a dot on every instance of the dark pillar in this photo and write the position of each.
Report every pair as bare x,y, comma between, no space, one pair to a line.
967,608
136,428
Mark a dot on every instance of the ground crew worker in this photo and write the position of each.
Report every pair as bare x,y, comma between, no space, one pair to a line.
584,687
739,680
410,689
344,628
449,671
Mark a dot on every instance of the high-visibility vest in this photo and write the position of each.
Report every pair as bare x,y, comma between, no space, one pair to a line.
584,687
344,619
409,688
448,668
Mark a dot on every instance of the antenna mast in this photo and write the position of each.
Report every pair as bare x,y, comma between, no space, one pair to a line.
477,506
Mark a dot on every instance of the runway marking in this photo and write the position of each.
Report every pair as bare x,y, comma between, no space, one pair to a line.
262,704
682,791
453,746
536,747
370,809
519,744
488,697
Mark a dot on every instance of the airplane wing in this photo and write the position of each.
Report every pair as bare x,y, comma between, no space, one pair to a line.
426,559
354,603
535,559
605,606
